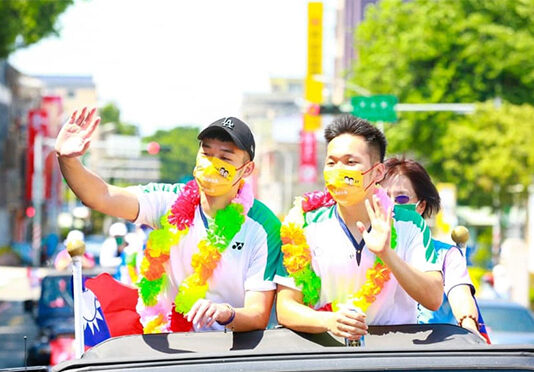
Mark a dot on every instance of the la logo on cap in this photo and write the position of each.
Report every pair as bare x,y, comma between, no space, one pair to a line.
228,123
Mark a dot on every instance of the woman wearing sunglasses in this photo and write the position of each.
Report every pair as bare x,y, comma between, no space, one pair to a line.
410,186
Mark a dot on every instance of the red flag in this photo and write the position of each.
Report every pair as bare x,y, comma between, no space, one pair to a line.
118,303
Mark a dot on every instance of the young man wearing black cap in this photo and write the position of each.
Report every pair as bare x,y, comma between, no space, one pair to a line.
210,261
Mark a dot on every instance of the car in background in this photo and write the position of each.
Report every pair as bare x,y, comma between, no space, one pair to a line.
507,322
53,313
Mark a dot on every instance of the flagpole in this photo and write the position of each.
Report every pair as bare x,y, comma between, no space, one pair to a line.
76,249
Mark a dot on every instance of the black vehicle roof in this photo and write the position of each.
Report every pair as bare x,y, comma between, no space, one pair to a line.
402,347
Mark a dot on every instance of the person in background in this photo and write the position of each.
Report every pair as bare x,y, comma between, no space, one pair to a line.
409,184
51,247
113,246
62,260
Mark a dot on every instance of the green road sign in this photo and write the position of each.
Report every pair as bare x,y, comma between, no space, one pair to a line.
375,108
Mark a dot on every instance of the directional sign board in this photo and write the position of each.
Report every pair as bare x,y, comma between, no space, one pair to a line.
375,108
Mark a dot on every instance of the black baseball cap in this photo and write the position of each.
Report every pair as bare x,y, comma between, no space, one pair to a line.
238,130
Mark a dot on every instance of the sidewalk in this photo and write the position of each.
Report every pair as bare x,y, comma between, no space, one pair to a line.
15,284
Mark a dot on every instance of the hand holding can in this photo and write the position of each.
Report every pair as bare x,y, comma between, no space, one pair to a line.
361,341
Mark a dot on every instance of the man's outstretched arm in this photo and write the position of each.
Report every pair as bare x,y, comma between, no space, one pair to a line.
293,314
73,141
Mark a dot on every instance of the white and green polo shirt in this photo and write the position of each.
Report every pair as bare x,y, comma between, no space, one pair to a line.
249,262
335,261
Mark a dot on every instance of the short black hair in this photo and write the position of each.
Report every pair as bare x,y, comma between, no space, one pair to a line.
222,136
350,124
420,180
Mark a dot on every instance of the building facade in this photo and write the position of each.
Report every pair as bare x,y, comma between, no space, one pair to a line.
18,94
350,13
276,120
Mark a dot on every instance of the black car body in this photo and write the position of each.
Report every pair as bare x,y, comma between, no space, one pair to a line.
405,347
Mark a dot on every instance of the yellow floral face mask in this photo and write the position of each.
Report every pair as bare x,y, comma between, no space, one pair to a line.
346,185
215,176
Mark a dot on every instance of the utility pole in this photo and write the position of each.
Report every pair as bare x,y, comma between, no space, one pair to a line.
37,198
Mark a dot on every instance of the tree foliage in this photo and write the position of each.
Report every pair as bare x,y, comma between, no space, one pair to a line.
489,152
179,148
456,51
25,22
110,113
448,51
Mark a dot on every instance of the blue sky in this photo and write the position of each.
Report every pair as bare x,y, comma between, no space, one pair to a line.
167,63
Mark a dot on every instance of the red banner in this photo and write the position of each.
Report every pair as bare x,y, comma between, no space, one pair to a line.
308,157
53,105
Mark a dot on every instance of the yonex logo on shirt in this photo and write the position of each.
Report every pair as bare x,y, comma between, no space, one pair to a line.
238,245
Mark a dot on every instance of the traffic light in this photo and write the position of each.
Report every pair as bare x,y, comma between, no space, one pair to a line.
375,108
153,148
30,212
330,109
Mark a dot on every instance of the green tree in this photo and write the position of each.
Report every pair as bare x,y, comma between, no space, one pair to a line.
454,51
488,152
179,148
25,22
448,51
110,113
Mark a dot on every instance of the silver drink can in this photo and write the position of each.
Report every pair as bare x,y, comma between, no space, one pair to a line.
355,343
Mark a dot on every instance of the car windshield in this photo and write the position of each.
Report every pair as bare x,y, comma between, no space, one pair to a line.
508,319
56,292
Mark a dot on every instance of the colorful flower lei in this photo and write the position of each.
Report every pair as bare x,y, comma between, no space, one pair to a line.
297,257
175,225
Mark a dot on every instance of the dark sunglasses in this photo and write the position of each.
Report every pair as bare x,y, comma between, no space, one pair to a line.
402,199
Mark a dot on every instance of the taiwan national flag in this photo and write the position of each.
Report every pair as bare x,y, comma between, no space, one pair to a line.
95,328
108,310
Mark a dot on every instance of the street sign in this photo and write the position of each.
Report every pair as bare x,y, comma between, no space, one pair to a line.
313,89
379,107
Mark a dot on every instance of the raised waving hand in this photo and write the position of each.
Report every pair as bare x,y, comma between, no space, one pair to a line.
377,240
75,135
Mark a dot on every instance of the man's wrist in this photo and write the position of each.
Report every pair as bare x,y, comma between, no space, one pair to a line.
230,318
324,319
386,254
469,321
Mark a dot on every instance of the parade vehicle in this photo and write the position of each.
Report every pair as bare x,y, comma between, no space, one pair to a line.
436,347
432,347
